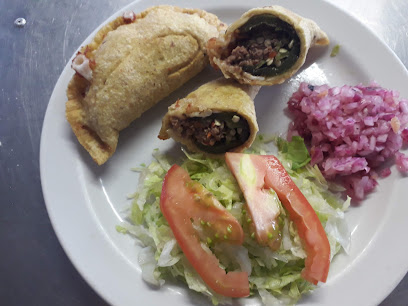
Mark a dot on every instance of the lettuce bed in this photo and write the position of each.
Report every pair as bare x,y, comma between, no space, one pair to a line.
274,275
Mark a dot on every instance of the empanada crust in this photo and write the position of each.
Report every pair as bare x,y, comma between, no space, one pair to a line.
135,66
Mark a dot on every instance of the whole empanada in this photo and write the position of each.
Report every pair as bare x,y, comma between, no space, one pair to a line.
131,64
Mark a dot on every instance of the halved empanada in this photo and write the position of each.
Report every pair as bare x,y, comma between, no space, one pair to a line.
266,46
217,117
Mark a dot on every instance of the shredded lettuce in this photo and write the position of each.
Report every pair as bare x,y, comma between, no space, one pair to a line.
295,151
274,275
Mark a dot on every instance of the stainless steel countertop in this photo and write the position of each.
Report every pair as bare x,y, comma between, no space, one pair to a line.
34,269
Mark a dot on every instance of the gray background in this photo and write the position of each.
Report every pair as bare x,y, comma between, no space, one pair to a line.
34,269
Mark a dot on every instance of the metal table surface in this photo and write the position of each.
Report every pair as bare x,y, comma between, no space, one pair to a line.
34,269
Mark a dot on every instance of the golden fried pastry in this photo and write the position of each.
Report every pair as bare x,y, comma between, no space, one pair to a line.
217,117
132,63
265,46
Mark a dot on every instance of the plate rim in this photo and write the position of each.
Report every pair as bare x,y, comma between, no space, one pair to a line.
107,297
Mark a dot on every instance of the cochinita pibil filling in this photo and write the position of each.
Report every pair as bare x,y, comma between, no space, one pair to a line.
264,46
217,133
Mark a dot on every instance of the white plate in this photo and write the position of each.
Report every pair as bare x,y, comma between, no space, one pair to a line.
85,201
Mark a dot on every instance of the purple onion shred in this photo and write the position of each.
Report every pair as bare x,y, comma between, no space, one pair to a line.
351,130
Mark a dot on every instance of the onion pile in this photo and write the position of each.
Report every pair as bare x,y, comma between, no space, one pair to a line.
351,131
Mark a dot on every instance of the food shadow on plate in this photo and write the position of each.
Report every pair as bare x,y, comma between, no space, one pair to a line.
310,298
229,14
175,152
192,297
314,55
268,106
178,287
97,171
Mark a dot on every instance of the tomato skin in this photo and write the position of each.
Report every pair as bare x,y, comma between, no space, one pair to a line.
183,200
262,206
300,211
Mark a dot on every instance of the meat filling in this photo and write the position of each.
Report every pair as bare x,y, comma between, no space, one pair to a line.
264,46
216,134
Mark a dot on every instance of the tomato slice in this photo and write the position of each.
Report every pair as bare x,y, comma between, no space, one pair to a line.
273,174
261,203
186,205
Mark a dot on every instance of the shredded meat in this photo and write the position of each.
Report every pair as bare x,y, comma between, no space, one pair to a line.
250,55
260,50
207,131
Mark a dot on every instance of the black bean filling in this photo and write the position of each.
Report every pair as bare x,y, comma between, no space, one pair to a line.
217,133
264,46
